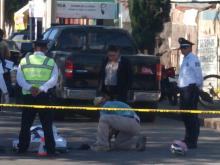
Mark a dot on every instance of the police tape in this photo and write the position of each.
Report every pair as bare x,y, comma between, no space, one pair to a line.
82,108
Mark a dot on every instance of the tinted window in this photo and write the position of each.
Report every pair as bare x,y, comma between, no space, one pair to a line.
97,41
72,40
100,40
53,34
123,41
46,34
18,37
26,37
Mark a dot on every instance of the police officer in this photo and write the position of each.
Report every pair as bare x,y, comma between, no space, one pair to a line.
4,50
190,80
5,54
3,87
37,74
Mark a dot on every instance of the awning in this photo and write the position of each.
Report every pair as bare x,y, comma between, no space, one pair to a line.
23,10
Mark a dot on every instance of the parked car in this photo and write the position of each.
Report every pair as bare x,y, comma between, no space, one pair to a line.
79,52
22,39
10,75
14,51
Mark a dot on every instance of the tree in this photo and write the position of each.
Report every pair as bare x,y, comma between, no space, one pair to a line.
147,19
11,6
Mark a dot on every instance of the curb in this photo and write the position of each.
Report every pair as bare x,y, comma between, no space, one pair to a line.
213,123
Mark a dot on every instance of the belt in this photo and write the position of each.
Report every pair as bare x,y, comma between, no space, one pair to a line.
132,117
194,85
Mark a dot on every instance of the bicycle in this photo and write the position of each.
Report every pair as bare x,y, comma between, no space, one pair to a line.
210,93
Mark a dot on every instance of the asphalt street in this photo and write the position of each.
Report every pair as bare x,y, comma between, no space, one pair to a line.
159,134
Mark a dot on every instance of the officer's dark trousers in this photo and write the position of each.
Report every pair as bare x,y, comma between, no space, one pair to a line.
28,116
189,97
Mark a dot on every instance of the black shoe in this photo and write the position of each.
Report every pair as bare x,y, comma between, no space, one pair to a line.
21,152
192,146
52,154
84,147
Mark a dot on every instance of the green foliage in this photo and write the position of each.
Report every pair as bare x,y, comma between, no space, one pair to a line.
147,19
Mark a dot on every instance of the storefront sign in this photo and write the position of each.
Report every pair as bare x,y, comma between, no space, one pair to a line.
20,22
91,10
207,52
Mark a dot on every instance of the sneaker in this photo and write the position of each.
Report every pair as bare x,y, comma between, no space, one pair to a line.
99,148
140,145
21,152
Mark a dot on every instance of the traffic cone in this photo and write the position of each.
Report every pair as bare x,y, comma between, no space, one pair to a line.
41,150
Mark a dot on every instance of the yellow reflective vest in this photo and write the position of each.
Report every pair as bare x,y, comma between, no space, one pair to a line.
36,69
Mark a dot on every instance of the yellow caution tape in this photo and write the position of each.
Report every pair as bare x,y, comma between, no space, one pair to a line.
108,109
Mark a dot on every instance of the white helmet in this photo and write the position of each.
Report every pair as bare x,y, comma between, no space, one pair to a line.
178,147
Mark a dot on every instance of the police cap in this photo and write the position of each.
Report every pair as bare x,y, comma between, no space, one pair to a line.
40,43
185,43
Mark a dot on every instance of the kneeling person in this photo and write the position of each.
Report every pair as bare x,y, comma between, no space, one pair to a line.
125,122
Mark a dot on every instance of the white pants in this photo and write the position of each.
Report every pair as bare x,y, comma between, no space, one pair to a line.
128,129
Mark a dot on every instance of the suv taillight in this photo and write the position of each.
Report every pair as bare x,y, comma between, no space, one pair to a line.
158,71
69,69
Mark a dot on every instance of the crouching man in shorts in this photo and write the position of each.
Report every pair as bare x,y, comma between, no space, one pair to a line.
124,124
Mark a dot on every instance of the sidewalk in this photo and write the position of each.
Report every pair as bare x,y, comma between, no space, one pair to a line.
207,120
213,123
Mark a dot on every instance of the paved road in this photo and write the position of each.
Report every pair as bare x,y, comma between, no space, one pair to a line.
160,134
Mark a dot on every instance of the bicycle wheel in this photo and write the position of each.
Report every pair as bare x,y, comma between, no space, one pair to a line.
211,87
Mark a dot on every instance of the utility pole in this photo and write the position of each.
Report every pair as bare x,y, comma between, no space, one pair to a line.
2,15
50,16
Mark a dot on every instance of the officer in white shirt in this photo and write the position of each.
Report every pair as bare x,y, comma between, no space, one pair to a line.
189,82
36,75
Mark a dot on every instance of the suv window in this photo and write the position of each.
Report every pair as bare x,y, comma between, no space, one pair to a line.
21,37
100,41
72,40
96,41
123,41
52,34
46,34
18,37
